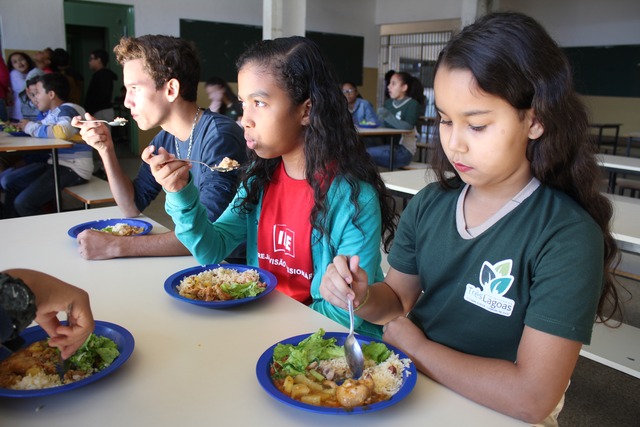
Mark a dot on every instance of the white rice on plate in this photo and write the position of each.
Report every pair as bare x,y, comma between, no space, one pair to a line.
205,285
36,382
387,376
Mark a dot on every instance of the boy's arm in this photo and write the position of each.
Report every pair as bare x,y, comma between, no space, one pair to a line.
54,126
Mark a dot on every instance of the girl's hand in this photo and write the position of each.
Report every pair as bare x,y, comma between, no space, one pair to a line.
334,286
172,175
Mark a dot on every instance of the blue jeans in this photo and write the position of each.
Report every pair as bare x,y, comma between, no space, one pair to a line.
401,156
4,113
30,187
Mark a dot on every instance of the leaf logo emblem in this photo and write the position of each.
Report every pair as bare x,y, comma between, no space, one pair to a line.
496,279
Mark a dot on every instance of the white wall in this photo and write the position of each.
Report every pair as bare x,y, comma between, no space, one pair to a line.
32,24
35,24
570,22
353,17
399,11
584,23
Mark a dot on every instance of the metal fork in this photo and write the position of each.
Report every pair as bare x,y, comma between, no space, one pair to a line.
63,364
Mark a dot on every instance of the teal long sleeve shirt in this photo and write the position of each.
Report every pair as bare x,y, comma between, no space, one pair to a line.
210,242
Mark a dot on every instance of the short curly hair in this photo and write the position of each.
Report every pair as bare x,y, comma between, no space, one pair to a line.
164,58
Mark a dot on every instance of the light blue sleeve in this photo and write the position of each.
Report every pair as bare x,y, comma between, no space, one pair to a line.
360,237
370,114
209,242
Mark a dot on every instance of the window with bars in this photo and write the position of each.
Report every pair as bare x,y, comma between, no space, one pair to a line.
415,53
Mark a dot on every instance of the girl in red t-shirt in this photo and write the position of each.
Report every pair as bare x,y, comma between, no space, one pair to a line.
310,192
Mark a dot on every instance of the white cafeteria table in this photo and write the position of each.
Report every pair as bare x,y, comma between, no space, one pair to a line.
191,365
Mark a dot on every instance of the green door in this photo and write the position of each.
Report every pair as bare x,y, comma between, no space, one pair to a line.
90,26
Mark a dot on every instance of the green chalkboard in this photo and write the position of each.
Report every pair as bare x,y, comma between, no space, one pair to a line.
606,70
220,44
345,52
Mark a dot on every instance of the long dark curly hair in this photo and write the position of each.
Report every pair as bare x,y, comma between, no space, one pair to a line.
512,56
331,144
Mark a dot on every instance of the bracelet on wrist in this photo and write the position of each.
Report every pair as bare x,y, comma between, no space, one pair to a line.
366,298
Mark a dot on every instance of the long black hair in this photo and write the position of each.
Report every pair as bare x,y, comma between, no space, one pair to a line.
512,56
331,144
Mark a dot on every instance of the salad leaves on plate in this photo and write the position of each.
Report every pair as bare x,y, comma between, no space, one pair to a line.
291,360
96,354
243,290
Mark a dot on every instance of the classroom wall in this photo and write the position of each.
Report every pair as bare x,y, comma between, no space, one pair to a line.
570,22
574,23
353,17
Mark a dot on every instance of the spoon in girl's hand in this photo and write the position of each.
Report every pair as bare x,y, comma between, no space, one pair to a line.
116,122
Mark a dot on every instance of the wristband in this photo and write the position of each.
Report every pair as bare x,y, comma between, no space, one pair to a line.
366,298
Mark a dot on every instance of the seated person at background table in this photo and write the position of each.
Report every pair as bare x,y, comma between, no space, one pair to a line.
30,187
28,96
99,99
503,268
5,91
21,158
222,98
19,64
401,111
161,76
361,110
28,295
310,191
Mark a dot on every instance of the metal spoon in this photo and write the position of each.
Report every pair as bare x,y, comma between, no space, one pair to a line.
113,123
212,168
352,349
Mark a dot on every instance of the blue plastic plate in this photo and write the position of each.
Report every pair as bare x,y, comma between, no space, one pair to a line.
174,280
367,126
102,223
123,339
18,133
263,372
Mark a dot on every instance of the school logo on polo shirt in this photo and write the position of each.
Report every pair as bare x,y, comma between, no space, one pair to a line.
495,280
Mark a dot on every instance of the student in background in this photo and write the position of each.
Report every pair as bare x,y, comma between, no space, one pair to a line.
29,109
99,99
387,80
43,60
32,186
20,64
222,98
310,191
401,111
361,110
5,90
60,61
498,273
12,161
29,295
161,76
